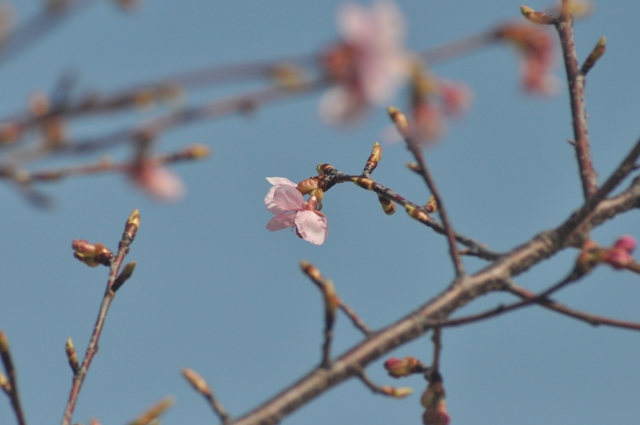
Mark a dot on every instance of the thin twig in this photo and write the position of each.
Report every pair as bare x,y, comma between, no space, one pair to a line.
437,348
406,130
128,236
448,227
318,279
201,385
10,370
576,80
590,318
476,248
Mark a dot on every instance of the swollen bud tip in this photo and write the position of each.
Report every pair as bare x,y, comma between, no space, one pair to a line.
196,381
134,218
536,17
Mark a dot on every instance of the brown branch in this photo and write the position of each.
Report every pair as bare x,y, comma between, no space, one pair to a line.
476,248
412,326
403,126
590,318
576,80
437,348
387,390
10,370
316,277
131,228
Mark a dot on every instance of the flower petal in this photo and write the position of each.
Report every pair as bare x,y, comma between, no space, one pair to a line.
281,180
275,181
281,221
286,198
312,226
339,106
158,182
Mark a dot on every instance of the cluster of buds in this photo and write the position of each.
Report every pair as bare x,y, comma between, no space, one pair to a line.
618,256
398,368
91,254
433,399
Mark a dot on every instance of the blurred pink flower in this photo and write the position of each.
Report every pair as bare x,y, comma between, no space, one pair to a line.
287,203
536,47
369,64
156,181
433,102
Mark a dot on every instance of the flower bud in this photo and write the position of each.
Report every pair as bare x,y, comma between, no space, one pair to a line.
434,400
307,186
72,356
4,383
399,392
627,243
398,368
132,226
196,381
311,271
537,17
91,254
416,214
153,412
432,205
363,182
374,158
324,169
388,206
400,120
288,76
196,151
589,256
594,56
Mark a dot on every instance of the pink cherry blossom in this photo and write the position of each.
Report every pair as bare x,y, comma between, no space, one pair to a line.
157,181
536,47
288,204
369,64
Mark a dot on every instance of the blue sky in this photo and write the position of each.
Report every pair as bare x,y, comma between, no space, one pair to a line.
216,292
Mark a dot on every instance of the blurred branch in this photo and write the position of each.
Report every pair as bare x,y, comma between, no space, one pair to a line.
319,280
10,370
27,34
590,318
104,165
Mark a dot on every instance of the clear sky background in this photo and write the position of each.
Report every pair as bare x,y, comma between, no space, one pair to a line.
216,292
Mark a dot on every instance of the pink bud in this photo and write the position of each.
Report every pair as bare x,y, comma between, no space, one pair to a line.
626,242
